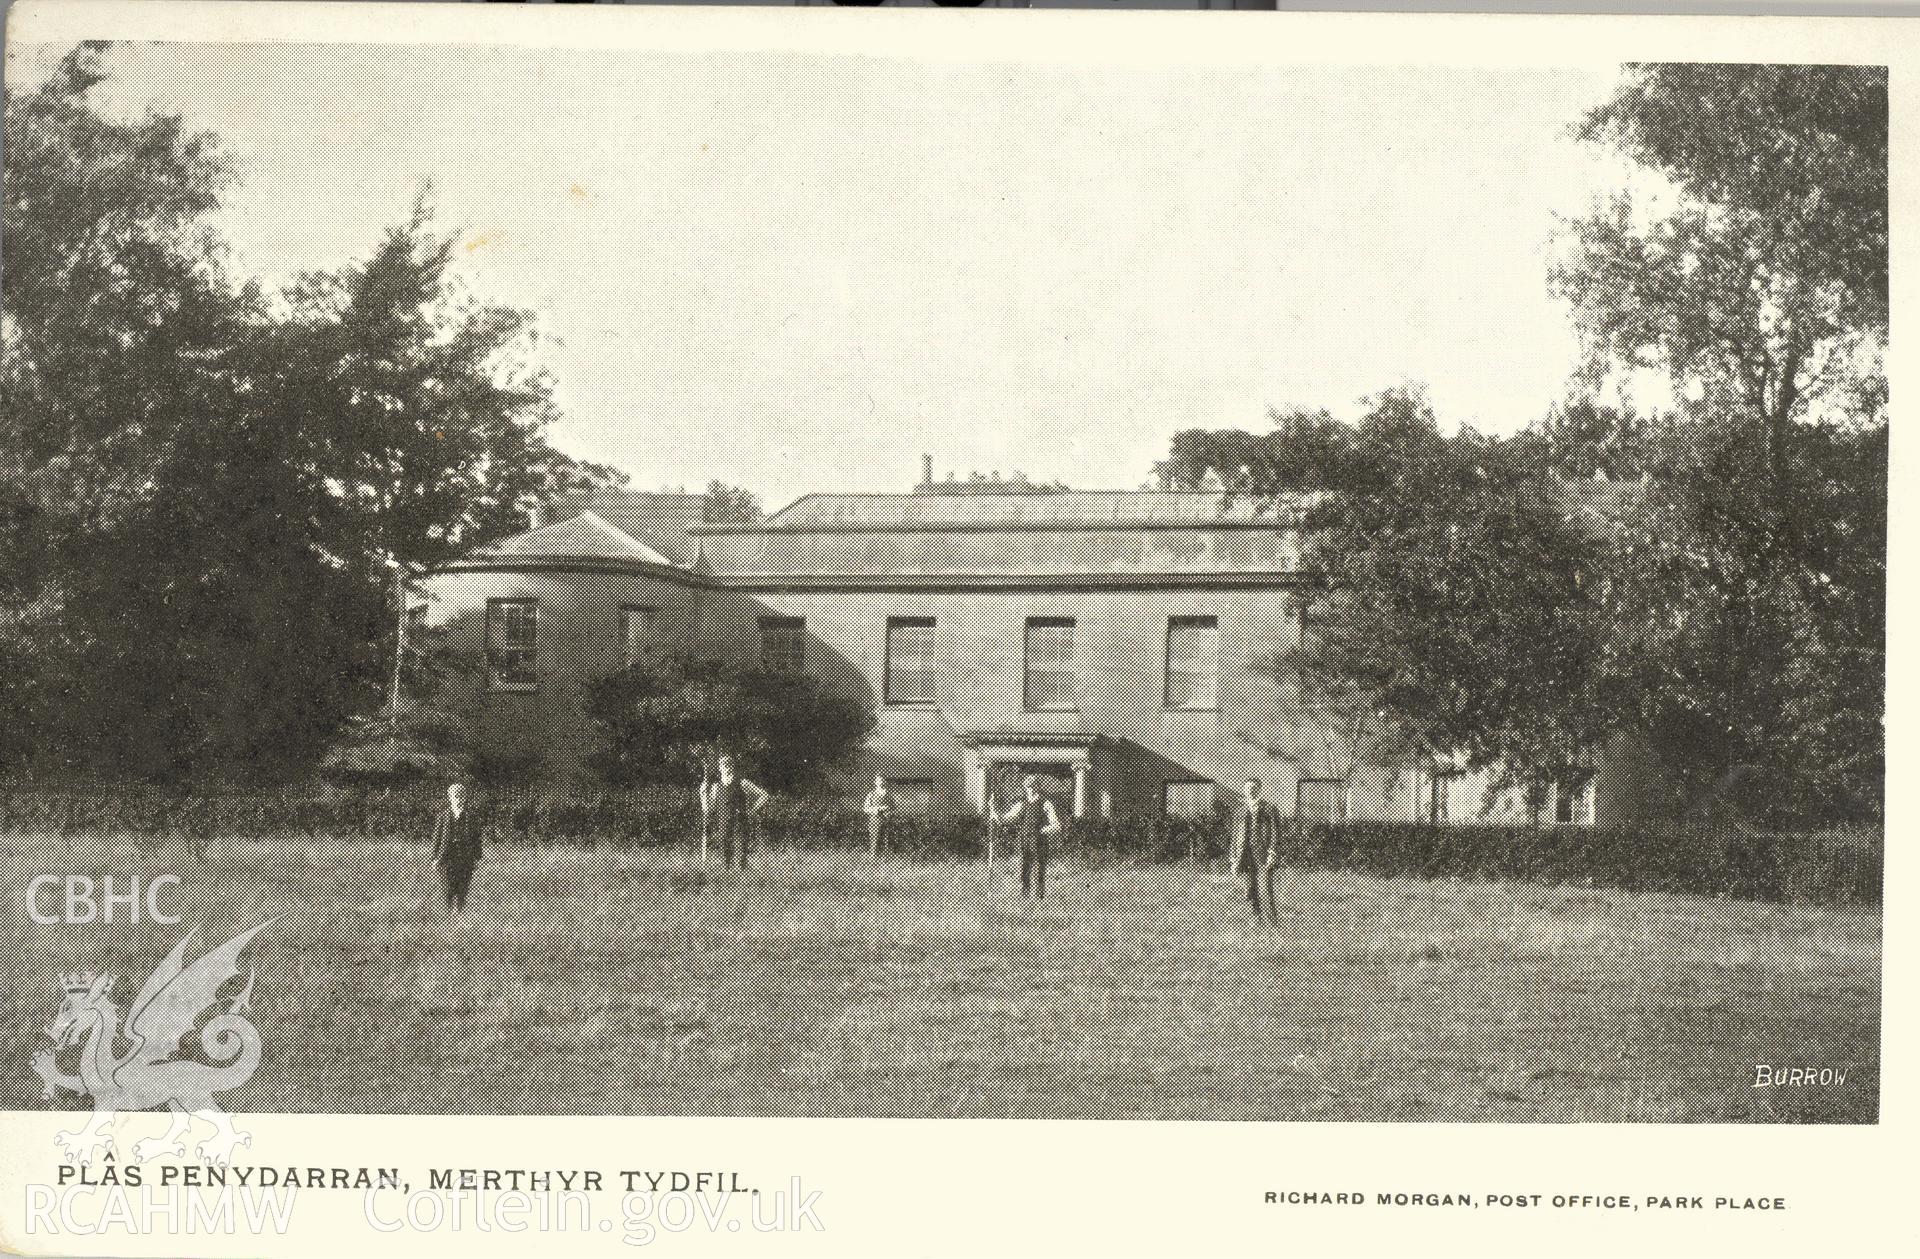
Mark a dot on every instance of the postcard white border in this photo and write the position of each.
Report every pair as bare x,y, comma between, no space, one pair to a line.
963,1186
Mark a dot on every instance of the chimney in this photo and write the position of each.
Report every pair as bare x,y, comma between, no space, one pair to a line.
538,515
926,469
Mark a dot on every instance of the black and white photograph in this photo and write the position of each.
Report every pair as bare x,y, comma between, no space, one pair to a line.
938,583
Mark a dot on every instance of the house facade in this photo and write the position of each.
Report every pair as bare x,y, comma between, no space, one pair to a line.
1135,649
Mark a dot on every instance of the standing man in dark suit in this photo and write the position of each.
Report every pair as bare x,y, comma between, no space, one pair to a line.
456,846
1037,819
1256,848
728,806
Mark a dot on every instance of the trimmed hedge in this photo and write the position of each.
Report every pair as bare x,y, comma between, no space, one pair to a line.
1724,861
1827,868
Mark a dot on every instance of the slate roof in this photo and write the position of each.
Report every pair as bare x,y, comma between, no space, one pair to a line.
1111,536
583,537
661,521
1075,510
1597,501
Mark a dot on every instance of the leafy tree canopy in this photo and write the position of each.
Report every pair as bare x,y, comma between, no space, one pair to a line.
672,712
1758,280
1453,601
1492,599
203,483
1749,617
731,505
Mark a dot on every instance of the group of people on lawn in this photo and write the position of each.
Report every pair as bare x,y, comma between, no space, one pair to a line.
729,802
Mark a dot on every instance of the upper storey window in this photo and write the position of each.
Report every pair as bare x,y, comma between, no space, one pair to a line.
1051,682
1193,662
910,660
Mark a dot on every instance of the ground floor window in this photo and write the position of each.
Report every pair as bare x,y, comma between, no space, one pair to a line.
1049,664
636,633
1573,806
1191,798
1193,662
783,644
1439,801
912,797
911,662
512,643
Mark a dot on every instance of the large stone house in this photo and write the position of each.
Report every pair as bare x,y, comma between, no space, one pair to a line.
1133,647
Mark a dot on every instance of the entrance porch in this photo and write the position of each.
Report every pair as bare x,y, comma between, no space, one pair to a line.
1075,768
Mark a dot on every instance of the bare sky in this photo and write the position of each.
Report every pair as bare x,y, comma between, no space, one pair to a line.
798,273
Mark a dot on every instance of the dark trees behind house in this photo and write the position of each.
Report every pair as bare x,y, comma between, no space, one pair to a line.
731,505
1727,602
203,482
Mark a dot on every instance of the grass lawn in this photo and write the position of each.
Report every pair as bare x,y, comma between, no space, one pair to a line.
818,984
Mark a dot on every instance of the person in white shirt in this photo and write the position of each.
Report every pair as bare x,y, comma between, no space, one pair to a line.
1037,819
878,808
728,807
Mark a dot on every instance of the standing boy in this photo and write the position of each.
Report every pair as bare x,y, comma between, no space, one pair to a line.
456,846
1256,848
729,806
1037,819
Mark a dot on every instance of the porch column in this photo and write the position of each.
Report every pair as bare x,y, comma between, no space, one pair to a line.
1080,771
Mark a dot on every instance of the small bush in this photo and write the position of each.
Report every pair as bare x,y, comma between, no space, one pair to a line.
669,714
417,745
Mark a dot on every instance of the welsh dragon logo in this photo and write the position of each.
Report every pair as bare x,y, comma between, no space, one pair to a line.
151,1072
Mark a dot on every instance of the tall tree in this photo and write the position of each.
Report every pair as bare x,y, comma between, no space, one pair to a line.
119,320
1759,279
119,335
1750,592
1581,439
426,412
202,487
1455,604
1451,605
1302,450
